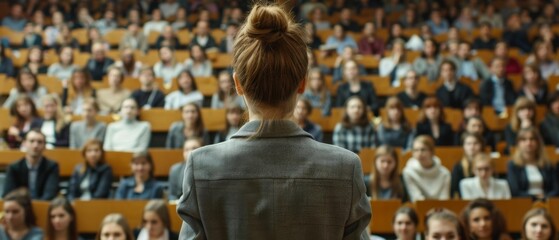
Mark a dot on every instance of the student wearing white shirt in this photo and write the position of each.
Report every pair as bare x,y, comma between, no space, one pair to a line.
156,24
187,92
167,67
484,185
396,65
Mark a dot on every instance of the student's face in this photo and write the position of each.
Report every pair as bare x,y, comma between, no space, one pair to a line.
188,147
471,146
197,53
501,50
432,113
538,228
14,215
129,109
528,143
93,154
480,223
114,77
464,50
442,230
404,228
385,165
483,170
474,126
422,153
66,55
498,68
555,107
471,111
225,82
153,224
525,113
394,113
24,109
189,114
530,75
447,73
34,144
49,109
233,118
78,81
429,48
339,31
165,54
300,112
411,81
60,219
27,82
112,231
185,82
351,71
146,77
35,55
355,109
315,82
141,167
89,112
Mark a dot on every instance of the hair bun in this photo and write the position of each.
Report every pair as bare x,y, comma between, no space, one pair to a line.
267,23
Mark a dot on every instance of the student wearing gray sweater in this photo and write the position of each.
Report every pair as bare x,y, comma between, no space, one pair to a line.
128,134
88,128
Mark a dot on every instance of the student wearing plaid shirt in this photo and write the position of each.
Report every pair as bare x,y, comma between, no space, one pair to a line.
355,131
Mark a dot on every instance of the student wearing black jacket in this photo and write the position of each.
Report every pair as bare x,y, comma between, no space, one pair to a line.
431,122
497,91
452,93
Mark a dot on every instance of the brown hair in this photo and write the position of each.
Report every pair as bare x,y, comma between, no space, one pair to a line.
397,190
118,219
539,212
499,225
224,95
394,102
67,206
541,155
199,124
427,141
409,211
270,56
22,198
159,207
536,69
465,161
233,108
86,145
88,90
148,158
362,121
322,92
20,121
522,103
431,102
443,214
26,71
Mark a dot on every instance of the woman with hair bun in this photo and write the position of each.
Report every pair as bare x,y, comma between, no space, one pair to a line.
272,180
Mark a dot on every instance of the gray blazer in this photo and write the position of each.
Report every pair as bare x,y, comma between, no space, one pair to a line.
176,177
281,185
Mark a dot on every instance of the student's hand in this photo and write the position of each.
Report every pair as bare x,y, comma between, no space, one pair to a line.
13,131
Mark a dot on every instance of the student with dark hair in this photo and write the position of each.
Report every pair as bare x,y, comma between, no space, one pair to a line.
452,93
34,171
301,116
354,86
190,126
497,91
27,84
411,97
405,223
92,179
482,220
148,96
484,41
432,122
355,131
26,118
62,220
395,130
19,218
142,184
156,222
442,223
186,93
550,125
262,153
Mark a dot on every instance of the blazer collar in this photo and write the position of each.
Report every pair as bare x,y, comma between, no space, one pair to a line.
272,129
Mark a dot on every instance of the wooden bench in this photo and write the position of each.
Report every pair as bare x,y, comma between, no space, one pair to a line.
161,119
382,215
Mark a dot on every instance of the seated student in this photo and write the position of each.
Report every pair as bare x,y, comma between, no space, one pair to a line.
6,63
232,28
81,89
198,63
530,173
497,91
186,93
370,43
515,34
437,23
155,23
168,38
89,127
148,96
114,226
202,36
26,118
538,224
427,64
404,223
99,63
317,93
384,181
395,130
55,126
355,131
301,116
167,67
411,97
35,61
396,65
176,173
128,134
226,93
34,171
156,222
443,223
134,39
431,122
550,125
354,86
484,41
482,220
544,58
64,68
128,64
484,185
523,116
475,125
452,93
30,37
534,87
348,54
468,65
110,99
27,84
424,176
93,178
62,221
142,184
340,40
347,23
473,145
21,221
512,66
